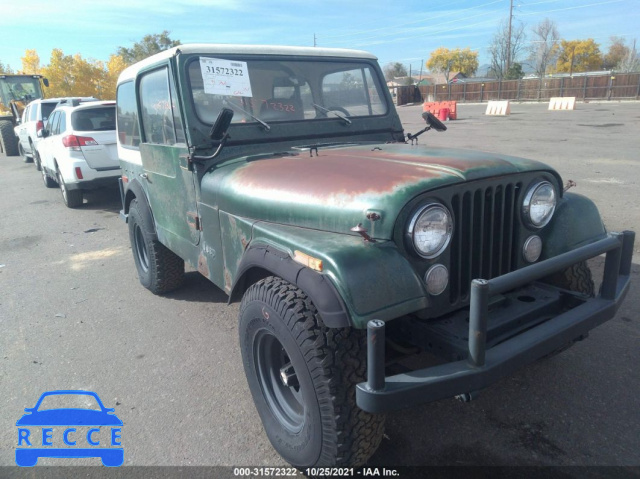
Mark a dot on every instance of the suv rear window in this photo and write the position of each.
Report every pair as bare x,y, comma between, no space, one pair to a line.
94,119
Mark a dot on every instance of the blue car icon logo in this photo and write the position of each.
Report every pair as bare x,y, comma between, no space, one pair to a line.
85,430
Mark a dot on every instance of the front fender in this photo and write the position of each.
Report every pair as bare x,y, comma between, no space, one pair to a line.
371,280
576,222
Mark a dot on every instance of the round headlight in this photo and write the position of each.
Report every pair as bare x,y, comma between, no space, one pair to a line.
430,230
539,204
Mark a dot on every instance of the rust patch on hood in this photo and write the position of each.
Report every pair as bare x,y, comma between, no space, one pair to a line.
332,174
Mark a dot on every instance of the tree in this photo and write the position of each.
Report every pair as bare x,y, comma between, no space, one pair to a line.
86,75
149,45
114,67
514,72
618,51
5,68
30,62
58,71
394,70
578,56
504,52
445,61
544,46
631,61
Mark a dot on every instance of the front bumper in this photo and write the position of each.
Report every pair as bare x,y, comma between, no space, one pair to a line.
485,366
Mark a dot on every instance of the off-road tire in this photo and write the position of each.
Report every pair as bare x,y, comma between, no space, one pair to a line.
47,180
575,278
72,198
328,362
160,270
8,139
26,158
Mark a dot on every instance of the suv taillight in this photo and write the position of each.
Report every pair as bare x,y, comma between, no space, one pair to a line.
75,142
39,126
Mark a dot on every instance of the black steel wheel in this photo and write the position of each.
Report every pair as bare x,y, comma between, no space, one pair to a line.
302,377
160,270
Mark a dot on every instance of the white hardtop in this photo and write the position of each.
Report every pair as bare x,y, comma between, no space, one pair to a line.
85,105
221,49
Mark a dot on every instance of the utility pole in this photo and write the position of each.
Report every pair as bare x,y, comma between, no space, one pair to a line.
314,40
509,36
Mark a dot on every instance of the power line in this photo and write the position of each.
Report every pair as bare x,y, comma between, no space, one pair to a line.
431,17
571,8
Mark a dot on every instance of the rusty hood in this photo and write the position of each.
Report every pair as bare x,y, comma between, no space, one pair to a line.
335,190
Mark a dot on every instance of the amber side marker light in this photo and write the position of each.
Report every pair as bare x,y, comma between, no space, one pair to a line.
308,261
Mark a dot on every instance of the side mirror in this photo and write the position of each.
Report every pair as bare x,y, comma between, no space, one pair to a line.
220,127
45,82
433,122
42,133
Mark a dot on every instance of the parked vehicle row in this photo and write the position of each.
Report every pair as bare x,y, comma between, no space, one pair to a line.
72,141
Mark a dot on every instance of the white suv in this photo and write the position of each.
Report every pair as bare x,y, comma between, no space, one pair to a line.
78,148
34,117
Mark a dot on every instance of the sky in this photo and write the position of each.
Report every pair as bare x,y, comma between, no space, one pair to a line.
403,31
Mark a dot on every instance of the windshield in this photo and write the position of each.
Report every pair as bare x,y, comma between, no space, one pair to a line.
19,88
275,90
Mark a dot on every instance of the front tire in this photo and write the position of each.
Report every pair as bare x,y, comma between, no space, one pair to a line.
8,139
160,270
302,377
575,278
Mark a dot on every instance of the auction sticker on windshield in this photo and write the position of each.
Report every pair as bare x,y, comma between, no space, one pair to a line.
225,77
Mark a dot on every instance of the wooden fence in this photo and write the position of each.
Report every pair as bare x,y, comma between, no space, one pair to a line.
602,87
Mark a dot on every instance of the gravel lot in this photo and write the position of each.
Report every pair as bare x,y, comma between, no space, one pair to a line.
74,316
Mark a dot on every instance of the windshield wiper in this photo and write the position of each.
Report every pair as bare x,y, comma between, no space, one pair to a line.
335,112
266,127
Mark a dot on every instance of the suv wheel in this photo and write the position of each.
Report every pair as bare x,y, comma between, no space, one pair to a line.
36,158
23,154
160,270
72,198
302,377
47,180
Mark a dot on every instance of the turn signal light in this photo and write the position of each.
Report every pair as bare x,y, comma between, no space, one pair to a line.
308,261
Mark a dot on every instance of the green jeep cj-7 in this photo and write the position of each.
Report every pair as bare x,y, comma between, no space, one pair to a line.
284,176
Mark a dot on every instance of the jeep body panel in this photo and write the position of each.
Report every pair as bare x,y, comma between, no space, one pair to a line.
302,186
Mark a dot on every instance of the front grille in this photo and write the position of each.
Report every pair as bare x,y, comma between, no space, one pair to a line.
483,243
